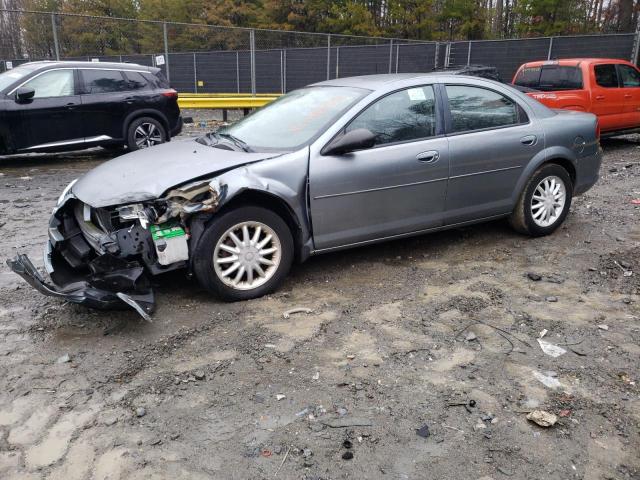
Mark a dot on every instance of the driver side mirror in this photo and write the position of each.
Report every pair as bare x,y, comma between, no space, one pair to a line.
358,139
24,94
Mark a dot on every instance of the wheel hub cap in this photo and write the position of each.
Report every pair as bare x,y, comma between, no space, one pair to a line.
247,255
548,201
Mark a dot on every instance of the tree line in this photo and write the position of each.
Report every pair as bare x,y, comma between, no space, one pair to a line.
31,35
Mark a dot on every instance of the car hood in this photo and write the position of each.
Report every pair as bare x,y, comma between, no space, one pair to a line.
146,174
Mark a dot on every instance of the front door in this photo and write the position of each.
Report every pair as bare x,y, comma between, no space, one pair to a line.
629,79
398,186
491,140
50,119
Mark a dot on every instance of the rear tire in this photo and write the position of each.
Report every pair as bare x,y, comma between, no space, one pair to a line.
145,132
544,202
245,253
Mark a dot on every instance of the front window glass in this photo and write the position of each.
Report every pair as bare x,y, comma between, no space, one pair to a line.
475,108
56,83
402,116
606,76
11,76
294,119
629,76
103,81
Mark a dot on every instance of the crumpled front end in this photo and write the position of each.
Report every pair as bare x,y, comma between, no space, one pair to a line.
102,257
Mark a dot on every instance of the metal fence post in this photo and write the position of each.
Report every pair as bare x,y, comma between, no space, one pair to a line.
390,55
469,54
238,70
550,48
435,60
54,28
447,54
635,54
284,76
195,73
281,70
166,50
397,56
328,56
337,62
252,46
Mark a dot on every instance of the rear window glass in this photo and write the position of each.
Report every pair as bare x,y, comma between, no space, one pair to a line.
103,81
157,80
606,76
137,81
550,77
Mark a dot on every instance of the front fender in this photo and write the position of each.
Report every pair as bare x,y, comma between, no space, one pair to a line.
535,163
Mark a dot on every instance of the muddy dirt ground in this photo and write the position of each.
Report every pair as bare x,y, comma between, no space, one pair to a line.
398,332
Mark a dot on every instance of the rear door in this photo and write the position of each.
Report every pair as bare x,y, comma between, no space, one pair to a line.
51,119
607,98
491,139
398,186
629,79
106,100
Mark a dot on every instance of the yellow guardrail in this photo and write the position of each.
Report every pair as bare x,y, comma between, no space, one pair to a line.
224,101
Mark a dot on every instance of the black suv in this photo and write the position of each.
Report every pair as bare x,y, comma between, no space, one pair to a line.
60,106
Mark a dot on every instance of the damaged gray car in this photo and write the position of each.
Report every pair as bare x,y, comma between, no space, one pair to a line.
334,165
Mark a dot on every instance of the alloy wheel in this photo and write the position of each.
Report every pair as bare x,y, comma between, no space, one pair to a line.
247,255
147,135
548,201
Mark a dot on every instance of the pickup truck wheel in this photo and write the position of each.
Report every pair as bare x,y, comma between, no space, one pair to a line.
544,203
145,132
245,253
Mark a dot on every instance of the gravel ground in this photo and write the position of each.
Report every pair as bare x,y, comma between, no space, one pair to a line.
398,332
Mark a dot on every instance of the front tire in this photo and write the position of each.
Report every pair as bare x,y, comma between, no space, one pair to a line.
544,203
245,253
145,132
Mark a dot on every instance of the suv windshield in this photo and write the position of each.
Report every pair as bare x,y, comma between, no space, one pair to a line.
11,76
295,119
550,77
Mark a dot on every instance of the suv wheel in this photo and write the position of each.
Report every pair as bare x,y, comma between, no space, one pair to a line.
145,132
245,253
544,203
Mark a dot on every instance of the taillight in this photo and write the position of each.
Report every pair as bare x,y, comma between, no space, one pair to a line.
170,93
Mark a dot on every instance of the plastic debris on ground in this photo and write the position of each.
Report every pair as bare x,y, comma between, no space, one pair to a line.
551,349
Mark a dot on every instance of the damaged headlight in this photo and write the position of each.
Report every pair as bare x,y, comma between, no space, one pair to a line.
66,193
137,211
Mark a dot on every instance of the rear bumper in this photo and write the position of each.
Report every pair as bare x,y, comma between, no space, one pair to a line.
588,172
177,130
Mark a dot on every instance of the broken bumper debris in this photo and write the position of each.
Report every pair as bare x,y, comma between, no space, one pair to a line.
111,288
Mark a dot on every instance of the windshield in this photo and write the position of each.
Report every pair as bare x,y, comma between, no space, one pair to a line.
295,119
11,76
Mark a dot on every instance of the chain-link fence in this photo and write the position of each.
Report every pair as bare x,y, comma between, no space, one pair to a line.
211,59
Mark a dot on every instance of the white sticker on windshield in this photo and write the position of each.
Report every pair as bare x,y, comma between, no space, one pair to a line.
416,94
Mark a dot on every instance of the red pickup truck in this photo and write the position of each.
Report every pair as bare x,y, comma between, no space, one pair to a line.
606,87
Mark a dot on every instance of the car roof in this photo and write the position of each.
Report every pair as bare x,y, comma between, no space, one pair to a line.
46,64
573,62
375,82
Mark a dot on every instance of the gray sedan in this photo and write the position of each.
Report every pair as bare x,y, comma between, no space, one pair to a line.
335,165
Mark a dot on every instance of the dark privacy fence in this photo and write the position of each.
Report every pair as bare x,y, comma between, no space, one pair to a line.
211,59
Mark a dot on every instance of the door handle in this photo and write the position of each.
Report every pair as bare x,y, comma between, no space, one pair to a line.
431,156
599,97
627,95
70,106
528,140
